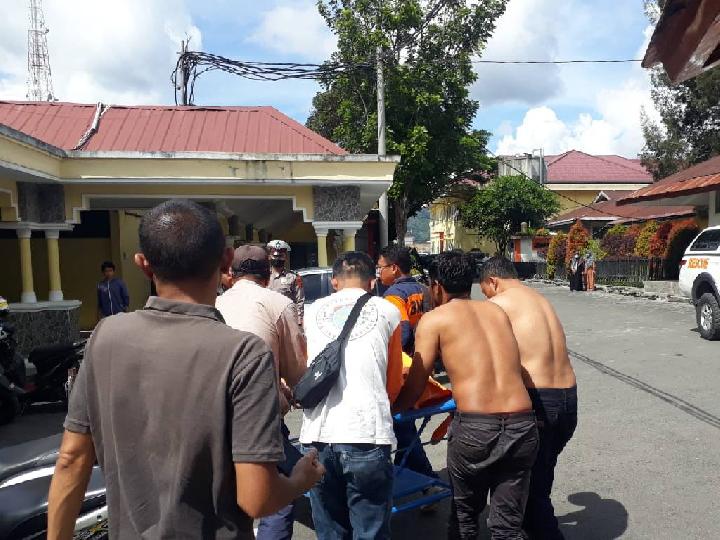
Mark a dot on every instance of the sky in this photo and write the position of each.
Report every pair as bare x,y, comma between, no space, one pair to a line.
123,52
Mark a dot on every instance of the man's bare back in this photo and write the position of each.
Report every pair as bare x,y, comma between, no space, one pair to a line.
480,355
540,336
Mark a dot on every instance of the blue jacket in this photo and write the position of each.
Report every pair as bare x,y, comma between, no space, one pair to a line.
112,297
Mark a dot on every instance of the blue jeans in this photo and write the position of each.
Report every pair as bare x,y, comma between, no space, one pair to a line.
354,498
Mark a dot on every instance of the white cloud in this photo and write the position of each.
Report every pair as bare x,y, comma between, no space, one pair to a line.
610,124
527,31
296,29
119,52
614,129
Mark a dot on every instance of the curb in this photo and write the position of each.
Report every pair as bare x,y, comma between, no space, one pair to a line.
634,292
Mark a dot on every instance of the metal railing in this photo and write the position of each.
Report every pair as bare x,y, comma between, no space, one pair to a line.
631,272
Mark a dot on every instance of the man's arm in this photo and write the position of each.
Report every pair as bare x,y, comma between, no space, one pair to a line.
300,300
406,329
69,482
262,490
395,366
293,347
427,341
257,445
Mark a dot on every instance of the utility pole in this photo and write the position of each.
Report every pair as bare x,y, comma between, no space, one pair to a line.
383,202
39,81
183,76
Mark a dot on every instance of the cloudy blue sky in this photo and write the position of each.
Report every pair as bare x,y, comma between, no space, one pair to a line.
123,52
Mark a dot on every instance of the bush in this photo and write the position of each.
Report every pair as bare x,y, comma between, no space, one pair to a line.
642,246
682,233
613,239
577,241
619,242
658,243
556,253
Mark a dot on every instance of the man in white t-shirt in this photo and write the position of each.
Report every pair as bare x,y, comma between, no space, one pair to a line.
352,428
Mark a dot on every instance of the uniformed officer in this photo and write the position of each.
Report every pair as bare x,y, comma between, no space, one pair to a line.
285,281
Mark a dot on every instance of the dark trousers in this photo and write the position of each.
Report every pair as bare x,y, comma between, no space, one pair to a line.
490,453
354,498
417,460
278,526
556,411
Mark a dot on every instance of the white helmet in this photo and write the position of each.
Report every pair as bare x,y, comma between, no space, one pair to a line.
279,244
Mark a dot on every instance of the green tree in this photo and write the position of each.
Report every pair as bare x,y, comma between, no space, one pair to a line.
688,130
497,210
427,50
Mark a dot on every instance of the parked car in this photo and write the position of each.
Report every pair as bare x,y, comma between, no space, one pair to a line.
700,280
316,282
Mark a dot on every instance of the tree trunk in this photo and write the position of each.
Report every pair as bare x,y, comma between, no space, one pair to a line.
401,217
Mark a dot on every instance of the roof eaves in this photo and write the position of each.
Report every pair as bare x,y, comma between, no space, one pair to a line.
24,138
230,156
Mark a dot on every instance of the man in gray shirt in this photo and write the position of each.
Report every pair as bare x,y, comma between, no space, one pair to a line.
180,410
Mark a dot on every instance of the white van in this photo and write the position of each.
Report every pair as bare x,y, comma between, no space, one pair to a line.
700,280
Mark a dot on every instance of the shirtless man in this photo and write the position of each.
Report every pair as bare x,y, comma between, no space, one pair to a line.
550,380
493,437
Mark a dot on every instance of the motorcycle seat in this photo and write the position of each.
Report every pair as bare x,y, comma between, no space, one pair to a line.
29,455
24,506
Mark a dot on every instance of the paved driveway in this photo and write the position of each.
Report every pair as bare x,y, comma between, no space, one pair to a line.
644,461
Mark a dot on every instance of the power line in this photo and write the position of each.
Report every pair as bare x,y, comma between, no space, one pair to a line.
555,61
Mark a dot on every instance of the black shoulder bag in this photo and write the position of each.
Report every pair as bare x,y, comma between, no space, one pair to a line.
323,372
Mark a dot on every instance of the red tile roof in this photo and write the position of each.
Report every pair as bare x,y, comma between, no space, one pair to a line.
699,178
575,167
262,130
609,211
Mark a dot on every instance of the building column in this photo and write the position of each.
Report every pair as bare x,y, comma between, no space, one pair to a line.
349,238
322,234
52,237
26,270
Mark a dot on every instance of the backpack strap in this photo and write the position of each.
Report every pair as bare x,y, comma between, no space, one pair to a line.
353,317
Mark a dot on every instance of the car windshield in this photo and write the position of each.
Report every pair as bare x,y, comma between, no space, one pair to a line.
707,241
312,283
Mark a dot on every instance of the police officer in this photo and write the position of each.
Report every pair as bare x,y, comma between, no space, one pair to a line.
285,281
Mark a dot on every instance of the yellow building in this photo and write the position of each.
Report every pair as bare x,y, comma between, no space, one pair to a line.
76,179
578,179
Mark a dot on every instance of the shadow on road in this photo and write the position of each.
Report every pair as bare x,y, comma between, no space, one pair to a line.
600,519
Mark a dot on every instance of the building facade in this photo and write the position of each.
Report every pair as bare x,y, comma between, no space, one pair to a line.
576,177
75,180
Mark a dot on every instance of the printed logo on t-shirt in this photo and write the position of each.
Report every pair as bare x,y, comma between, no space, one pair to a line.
331,319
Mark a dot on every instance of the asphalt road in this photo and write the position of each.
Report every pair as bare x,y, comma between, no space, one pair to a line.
644,460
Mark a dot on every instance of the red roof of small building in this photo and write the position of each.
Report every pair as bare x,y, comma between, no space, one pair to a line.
609,211
699,178
161,128
575,167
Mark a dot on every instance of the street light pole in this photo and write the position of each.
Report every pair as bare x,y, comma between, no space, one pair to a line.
383,202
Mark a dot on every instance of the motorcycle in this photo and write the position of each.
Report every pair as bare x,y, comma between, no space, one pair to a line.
25,473
46,375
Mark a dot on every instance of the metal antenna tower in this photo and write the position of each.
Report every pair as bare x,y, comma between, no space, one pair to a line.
39,75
